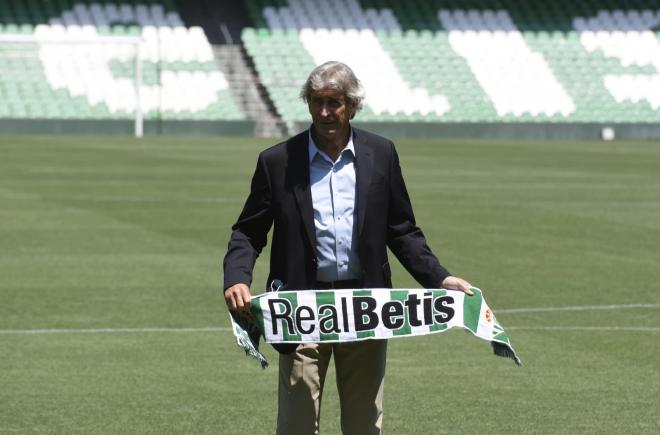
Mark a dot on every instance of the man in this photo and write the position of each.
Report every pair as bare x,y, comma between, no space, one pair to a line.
337,199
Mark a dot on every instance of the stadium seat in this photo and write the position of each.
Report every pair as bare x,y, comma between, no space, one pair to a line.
420,60
180,77
464,60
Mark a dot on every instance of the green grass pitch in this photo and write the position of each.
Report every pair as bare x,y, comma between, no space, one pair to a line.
115,233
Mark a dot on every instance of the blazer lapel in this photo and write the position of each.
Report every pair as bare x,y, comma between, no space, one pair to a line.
299,172
363,167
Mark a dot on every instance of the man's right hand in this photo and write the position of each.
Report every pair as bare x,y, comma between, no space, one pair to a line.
238,297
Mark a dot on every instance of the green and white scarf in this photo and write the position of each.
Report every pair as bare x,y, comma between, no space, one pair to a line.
330,316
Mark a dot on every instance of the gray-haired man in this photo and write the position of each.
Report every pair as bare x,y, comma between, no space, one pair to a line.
336,199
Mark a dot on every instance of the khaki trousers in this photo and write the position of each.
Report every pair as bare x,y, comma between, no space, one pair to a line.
360,368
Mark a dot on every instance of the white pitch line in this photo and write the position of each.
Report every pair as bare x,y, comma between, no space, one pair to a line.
587,328
576,308
110,330
510,310
225,329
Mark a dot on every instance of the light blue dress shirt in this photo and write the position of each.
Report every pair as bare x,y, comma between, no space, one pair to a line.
333,199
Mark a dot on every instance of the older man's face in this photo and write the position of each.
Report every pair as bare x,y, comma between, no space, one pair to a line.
330,114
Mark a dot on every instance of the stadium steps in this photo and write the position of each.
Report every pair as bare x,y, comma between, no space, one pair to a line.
250,97
196,13
283,65
222,22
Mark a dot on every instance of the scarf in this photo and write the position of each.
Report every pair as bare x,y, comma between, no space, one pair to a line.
331,316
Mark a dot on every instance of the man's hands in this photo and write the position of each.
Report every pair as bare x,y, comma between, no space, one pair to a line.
456,283
238,297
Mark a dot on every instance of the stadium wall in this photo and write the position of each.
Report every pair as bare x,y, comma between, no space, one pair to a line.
413,130
127,127
499,130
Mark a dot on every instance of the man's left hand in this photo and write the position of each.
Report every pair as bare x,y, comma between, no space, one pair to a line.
456,283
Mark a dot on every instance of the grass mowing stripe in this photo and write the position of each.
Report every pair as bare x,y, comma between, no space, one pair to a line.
509,215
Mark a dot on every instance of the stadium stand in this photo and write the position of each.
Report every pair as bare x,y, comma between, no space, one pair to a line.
72,71
434,61
474,61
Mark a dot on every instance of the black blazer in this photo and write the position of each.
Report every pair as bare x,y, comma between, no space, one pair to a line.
280,194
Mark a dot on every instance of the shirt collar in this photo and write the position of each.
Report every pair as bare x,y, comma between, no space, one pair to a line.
313,150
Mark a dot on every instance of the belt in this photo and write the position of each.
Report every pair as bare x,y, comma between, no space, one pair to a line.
343,284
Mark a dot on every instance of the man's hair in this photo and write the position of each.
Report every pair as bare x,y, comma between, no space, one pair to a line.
336,76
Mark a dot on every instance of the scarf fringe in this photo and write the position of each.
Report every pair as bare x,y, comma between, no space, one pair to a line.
501,349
